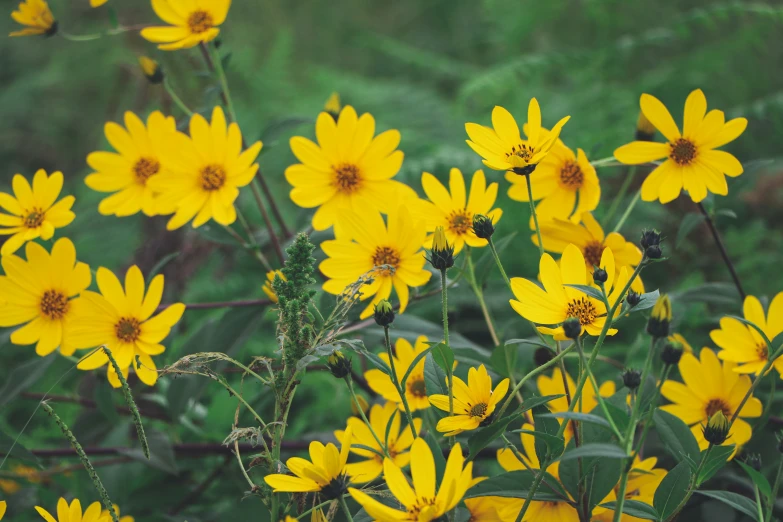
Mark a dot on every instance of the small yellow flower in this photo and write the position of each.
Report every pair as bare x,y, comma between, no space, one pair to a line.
686,347
270,278
422,503
474,402
692,163
73,512
191,22
397,443
660,318
122,320
503,148
42,299
333,105
151,69
415,388
36,15
34,211
126,518
98,3
742,344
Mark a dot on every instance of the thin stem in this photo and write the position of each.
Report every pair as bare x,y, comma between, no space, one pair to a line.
497,262
722,248
445,303
594,383
322,504
287,234
345,509
176,99
364,417
647,421
221,74
396,382
775,489
759,505
480,296
267,221
628,211
618,199
533,212
533,489
522,460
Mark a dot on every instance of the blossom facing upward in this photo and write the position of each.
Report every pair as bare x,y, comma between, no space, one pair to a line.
422,502
36,16
73,512
348,169
454,210
415,388
502,146
191,23
691,163
390,253
397,443
123,321
138,157
474,402
40,295
711,387
742,344
204,172
33,211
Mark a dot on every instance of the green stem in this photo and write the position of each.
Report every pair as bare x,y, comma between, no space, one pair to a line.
176,99
272,234
775,489
498,263
381,445
594,382
620,195
396,382
647,421
322,504
691,485
445,303
223,81
627,211
345,509
482,303
533,212
759,505
533,489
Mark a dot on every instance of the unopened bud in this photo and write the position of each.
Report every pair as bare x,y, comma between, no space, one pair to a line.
572,328
543,356
658,324
633,298
600,275
650,238
333,106
483,226
672,352
384,313
632,379
339,364
442,253
151,69
717,429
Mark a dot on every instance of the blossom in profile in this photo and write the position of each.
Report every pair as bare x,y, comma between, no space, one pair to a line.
73,512
191,23
415,387
37,18
270,278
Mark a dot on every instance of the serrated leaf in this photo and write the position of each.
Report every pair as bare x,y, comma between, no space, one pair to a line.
672,490
635,508
676,436
738,502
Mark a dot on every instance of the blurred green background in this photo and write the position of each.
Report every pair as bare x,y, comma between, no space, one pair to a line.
424,68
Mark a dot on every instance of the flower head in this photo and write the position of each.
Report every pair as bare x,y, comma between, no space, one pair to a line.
415,389
36,16
339,365
349,169
123,321
151,69
139,156
717,429
692,163
502,147
270,278
33,210
422,503
73,512
384,313
661,316
483,226
192,23
204,172
474,402
397,444
743,344
442,252
41,297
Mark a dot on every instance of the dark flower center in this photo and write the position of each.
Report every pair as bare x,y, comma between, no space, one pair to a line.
460,221
336,488
716,405
582,309
763,351
199,22
128,329
478,410
593,252
522,151
417,387
144,168
54,304
386,256
34,218
571,175
213,177
682,151
347,177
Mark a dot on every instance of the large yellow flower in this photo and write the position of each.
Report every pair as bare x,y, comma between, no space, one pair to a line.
453,211
709,388
36,15
348,169
123,321
742,344
643,480
138,157
503,148
474,402
556,302
492,509
39,294
73,512
415,388
192,22
422,502
397,443
691,161
204,172
588,235
33,210
395,247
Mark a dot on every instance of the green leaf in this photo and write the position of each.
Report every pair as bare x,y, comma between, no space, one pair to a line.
434,377
160,265
589,290
777,341
726,212
711,293
377,362
113,20
738,502
535,401
161,452
504,360
516,484
103,396
676,436
672,490
534,342
758,479
606,451
484,436
443,356
548,426
440,461
553,443
635,508
715,461
18,451
687,224
647,301
581,417
23,376
217,234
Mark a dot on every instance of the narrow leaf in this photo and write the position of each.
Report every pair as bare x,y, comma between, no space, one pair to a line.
609,451
635,508
672,490
738,502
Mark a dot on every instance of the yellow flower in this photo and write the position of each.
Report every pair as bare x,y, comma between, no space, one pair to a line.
643,480
492,509
590,238
12,486
474,402
324,472
421,502
333,105
691,161
151,69
3,507
41,297
709,388
73,512
375,244
270,278
453,210
126,518
556,302
36,15
204,172
742,344
686,347
191,22
347,169
123,322
97,3
33,210
415,389
502,147
398,443
138,158
662,310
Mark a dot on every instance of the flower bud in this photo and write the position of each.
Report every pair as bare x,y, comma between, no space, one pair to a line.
717,429
483,226
442,254
151,69
333,106
653,252
339,365
672,352
754,461
633,298
384,313
650,238
658,324
632,378
572,328
542,356
645,131
600,275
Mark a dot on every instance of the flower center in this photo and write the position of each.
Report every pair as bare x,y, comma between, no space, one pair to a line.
34,218
716,405
763,351
54,304
478,410
682,151
386,256
347,177
199,22
571,175
521,151
213,177
583,310
423,504
128,329
460,221
144,168
592,252
416,387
